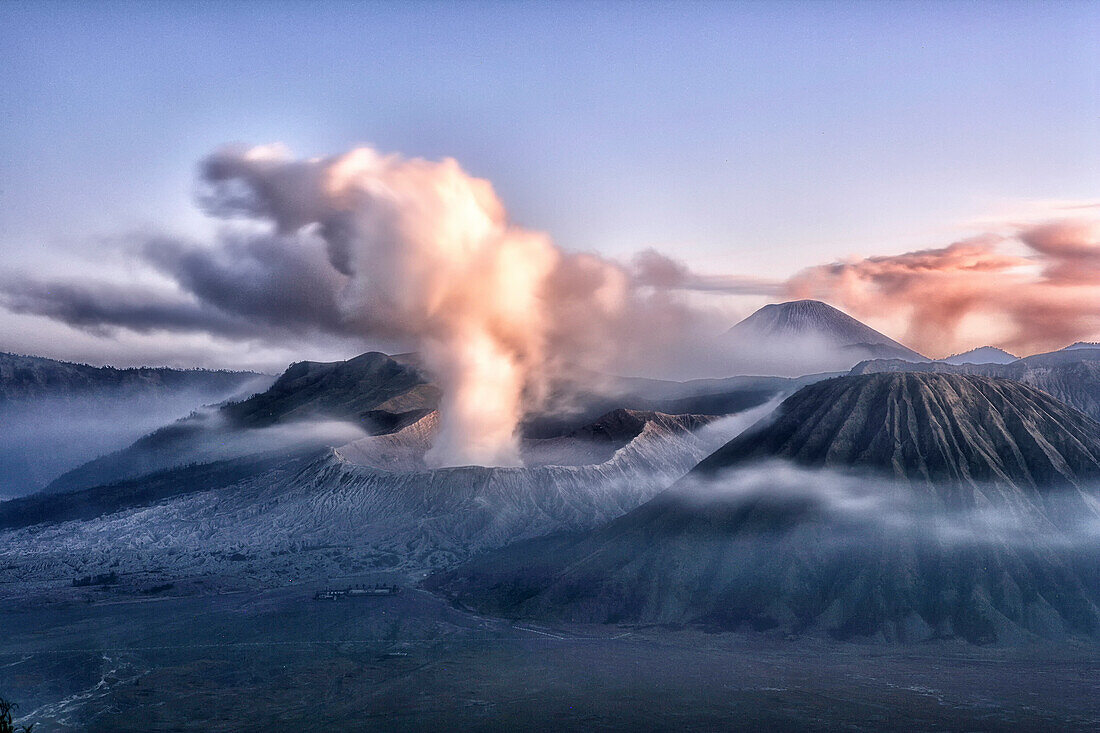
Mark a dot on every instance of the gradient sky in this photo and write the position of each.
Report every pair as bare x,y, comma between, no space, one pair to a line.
745,138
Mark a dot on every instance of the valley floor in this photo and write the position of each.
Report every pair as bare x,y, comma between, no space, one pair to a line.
277,659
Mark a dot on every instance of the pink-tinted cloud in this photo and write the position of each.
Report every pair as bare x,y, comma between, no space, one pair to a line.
1070,249
1047,297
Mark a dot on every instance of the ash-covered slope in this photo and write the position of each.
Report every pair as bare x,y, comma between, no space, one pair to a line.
345,510
913,545
314,404
807,336
926,427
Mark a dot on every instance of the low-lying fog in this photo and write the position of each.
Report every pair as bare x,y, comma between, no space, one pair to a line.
856,505
44,438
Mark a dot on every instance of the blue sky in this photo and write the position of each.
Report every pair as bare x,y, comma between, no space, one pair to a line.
748,138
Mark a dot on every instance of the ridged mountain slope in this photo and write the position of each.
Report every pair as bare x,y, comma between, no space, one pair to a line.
928,508
1070,375
927,427
343,510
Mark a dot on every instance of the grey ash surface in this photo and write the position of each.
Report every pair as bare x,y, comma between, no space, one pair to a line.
277,660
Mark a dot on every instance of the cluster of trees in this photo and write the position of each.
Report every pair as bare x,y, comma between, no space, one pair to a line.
6,726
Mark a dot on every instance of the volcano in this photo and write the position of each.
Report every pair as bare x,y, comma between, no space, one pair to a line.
377,394
325,473
806,336
929,428
896,508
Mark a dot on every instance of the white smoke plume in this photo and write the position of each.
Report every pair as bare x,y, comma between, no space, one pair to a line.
428,255
424,254
365,248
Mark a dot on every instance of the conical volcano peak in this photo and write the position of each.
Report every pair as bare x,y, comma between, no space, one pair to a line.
807,336
803,314
811,317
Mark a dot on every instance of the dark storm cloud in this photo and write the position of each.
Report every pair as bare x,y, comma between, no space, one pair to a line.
245,286
101,307
277,282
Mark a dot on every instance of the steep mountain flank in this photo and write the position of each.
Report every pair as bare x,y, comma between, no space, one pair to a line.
899,507
927,427
312,405
1071,375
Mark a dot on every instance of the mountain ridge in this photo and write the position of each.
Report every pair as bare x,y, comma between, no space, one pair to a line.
927,427
1069,375
981,355
62,414
29,377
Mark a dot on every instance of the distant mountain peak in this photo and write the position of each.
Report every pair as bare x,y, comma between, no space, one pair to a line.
812,333
811,318
981,355
800,316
